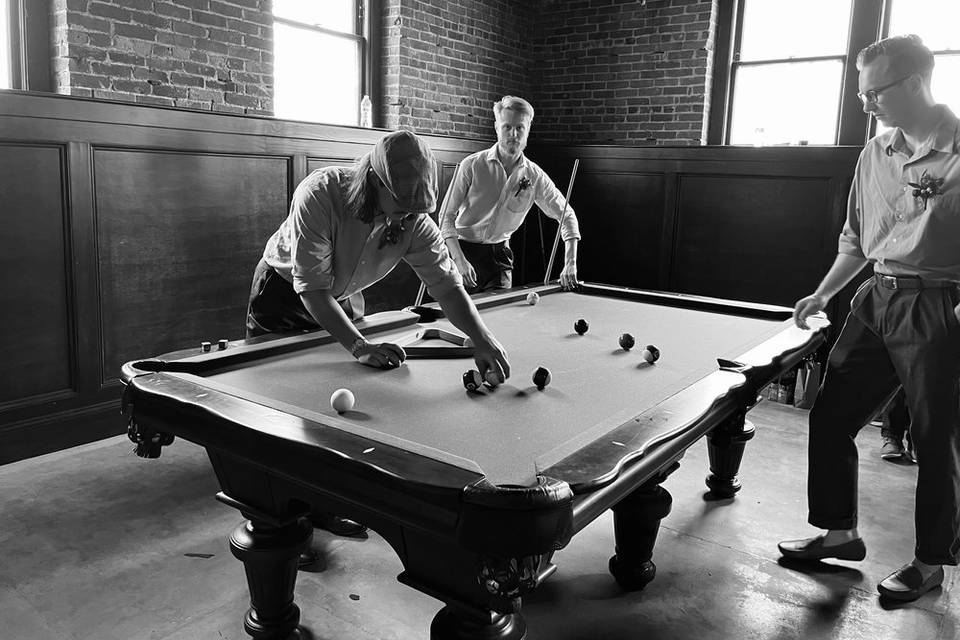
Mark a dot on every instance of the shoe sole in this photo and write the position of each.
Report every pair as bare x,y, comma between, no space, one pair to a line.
801,555
906,596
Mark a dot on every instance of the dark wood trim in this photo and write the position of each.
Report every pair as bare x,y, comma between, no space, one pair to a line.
26,115
668,231
84,269
865,24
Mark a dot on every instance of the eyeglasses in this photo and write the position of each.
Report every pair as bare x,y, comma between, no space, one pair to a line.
872,95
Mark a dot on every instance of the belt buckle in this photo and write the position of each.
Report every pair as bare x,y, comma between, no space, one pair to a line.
890,282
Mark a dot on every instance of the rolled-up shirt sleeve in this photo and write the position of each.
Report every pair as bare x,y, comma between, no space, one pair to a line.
453,200
311,241
849,243
551,202
429,258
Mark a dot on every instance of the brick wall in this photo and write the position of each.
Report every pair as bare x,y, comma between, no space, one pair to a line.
201,54
449,61
623,72
597,71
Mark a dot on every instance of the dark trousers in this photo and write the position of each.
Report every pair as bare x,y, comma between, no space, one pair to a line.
492,262
274,307
896,417
893,336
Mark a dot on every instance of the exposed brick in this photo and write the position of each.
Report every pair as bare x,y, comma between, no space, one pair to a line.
134,31
172,52
109,11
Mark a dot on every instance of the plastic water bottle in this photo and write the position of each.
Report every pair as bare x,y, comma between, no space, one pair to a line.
366,112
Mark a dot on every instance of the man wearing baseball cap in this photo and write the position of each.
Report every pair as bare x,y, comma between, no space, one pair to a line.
348,227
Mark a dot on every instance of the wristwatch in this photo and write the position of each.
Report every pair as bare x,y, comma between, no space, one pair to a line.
357,345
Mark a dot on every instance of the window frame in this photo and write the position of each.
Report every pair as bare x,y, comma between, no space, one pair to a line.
868,20
366,35
29,50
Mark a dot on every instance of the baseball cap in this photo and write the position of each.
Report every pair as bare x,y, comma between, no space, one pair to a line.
405,164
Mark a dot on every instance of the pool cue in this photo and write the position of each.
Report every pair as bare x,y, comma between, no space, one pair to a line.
556,239
423,289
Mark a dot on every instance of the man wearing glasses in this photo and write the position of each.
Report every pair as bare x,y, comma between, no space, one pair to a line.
903,218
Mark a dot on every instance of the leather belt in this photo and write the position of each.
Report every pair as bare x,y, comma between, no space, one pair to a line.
911,282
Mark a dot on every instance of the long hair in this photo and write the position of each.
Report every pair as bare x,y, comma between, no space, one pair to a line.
361,193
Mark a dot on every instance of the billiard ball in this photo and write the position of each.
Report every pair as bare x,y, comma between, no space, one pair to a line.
541,377
650,353
533,298
626,341
342,400
581,326
491,379
472,380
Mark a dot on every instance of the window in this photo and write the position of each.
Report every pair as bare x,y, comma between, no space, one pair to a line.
6,48
935,21
787,74
321,51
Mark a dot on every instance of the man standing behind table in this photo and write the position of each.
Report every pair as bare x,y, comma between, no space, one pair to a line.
903,218
490,195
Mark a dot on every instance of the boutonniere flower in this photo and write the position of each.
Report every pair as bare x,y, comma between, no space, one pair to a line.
928,187
524,184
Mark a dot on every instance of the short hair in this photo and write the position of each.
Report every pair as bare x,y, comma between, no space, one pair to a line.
908,55
513,103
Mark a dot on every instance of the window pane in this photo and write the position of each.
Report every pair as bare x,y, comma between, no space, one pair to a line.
5,82
786,103
943,84
306,90
778,29
935,21
330,14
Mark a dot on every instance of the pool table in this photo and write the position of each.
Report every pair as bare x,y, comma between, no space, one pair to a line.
474,490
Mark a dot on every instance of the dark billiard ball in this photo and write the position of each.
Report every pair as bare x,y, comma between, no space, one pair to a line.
541,377
581,326
651,354
472,380
627,341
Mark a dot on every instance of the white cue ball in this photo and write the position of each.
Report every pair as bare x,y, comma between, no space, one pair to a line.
342,400
533,298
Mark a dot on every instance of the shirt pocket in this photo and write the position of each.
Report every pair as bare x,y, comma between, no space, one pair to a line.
520,202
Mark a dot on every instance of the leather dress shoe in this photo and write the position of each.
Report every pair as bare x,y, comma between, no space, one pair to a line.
907,584
337,525
814,549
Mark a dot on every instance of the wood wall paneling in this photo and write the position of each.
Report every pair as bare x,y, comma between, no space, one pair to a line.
179,235
35,343
748,237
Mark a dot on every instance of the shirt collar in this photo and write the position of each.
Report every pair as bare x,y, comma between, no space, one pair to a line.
491,156
945,137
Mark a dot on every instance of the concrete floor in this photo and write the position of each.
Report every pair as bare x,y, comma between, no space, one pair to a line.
101,545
